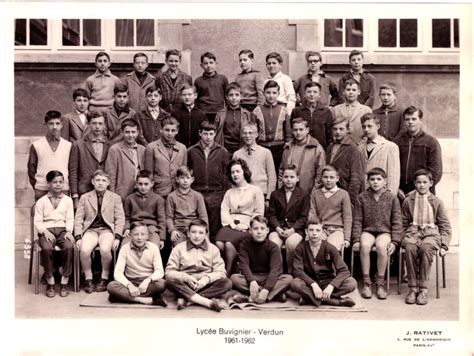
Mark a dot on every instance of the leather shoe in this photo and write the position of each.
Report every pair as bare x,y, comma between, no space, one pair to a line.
50,291
381,292
280,298
101,286
215,305
113,299
63,292
411,297
346,302
89,287
304,301
422,298
367,291
240,298
159,301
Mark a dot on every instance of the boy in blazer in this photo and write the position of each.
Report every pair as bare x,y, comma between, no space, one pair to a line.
75,122
99,221
287,214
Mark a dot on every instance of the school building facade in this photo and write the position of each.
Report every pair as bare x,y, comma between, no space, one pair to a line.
419,55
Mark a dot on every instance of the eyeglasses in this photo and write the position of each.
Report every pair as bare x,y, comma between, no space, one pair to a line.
314,61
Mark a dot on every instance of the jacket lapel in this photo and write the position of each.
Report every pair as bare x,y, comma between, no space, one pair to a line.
92,198
161,147
126,151
377,148
88,144
77,121
295,196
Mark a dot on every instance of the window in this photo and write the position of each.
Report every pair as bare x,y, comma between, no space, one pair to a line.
31,32
445,33
343,33
79,33
134,33
398,33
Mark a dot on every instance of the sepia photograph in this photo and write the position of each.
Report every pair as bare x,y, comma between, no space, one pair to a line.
258,178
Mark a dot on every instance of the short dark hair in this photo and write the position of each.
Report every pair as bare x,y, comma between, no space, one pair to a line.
248,52
130,122
291,167
207,126
355,52
423,172
312,85
183,171
275,55
120,88
100,172
102,54
376,171
351,81
411,110
233,86
388,86
80,92
172,52
198,222
95,114
144,173
370,116
170,121
52,114
313,221
152,88
258,218
312,54
299,120
330,168
245,167
136,224
209,55
271,84
187,86
140,54
53,174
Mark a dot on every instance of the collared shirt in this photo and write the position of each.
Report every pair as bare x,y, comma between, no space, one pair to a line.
53,141
370,145
184,207
82,117
98,146
203,245
287,91
288,194
329,193
315,248
99,220
138,251
55,199
154,112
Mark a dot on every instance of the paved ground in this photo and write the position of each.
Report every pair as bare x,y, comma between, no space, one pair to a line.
31,306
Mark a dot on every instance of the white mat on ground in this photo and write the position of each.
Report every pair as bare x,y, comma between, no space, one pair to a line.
100,300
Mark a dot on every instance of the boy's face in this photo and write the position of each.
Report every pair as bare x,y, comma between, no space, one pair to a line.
102,63
81,104
139,236
153,98
357,62
329,178
207,137
121,99
351,92
290,178
423,184
130,134
233,98
97,125
209,65
184,181
339,131
314,232
169,132
197,234
173,62
54,127
271,95
273,66
245,62
56,185
144,185
300,132
413,123
100,183
370,129
377,182
249,135
259,231
387,97
314,64
312,94
188,96
140,64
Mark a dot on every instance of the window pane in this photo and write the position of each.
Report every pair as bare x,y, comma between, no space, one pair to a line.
71,33
20,32
456,33
354,33
91,35
441,30
124,33
333,33
387,33
408,33
38,32
145,33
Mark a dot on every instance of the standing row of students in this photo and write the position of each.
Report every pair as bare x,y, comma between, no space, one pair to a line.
285,144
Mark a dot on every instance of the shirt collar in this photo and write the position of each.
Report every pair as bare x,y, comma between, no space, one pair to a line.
141,195
268,105
100,139
135,146
377,140
333,190
125,109
150,109
190,245
80,113
180,193
205,74
99,194
107,73
51,195
52,138
361,72
320,73
278,75
354,104
135,248
204,148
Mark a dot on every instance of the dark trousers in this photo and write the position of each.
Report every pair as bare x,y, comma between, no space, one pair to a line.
277,153
121,293
282,284
213,201
47,252
212,290
299,286
419,258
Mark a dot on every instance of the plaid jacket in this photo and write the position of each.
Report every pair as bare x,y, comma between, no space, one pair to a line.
170,92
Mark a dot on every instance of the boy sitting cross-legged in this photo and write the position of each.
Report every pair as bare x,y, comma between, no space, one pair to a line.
195,270
261,267
321,276
139,271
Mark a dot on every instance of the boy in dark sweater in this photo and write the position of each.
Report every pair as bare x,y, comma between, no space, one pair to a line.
377,221
261,267
147,207
321,276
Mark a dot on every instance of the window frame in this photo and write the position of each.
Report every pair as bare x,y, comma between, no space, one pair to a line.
29,47
365,41
112,32
451,49
397,48
81,47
